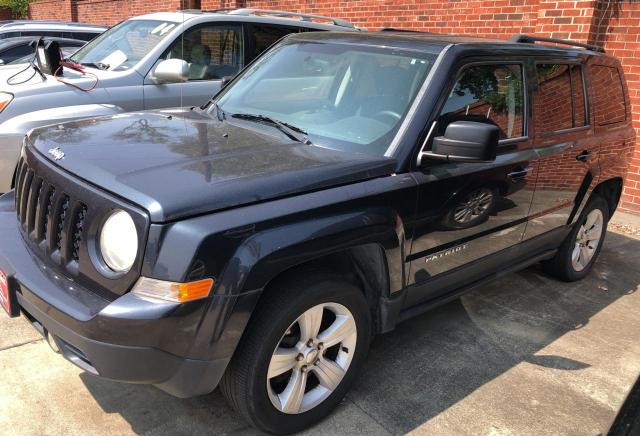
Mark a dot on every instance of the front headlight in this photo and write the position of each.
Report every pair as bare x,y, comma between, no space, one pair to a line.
5,99
119,241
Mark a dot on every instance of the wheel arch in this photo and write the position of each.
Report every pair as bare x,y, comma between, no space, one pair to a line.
610,190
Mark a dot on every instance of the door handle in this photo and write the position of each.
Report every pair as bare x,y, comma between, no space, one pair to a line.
582,157
519,173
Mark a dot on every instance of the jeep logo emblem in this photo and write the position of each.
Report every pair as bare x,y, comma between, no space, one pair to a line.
56,153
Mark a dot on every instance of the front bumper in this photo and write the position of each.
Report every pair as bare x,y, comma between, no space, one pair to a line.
121,339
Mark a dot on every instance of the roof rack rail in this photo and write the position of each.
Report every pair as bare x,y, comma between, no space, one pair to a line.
533,39
275,13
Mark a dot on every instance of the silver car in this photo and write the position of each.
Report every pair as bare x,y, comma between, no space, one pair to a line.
152,61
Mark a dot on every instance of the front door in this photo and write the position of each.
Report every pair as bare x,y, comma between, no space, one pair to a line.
467,211
212,51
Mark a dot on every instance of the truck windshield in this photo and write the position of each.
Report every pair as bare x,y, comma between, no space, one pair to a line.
124,45
342,96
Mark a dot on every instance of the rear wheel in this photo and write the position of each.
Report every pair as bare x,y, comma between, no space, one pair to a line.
300,353
579,251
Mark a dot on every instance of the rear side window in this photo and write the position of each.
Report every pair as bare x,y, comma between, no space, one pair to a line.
559,99
264,36
489,94
610,103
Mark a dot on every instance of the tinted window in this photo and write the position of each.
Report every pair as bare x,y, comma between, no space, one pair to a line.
264,36
490,94
609,104
41,33
577,85
212,52
84,36
15,53
559,99
553,104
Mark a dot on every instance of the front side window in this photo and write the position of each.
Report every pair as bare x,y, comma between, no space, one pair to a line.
212,52
559,98
345,97
123,46
489,94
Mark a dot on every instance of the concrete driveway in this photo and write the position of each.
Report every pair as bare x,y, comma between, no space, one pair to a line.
523,355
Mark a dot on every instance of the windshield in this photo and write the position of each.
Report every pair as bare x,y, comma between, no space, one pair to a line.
345,97
124,45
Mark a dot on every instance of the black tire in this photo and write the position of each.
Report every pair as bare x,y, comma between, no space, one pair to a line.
561,265
244,384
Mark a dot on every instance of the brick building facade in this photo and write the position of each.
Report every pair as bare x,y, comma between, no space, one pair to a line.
613,24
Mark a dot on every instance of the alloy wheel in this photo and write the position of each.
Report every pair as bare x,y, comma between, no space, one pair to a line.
587,240
311,358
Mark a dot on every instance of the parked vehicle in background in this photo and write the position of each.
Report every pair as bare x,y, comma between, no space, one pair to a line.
64,49
19,48
342,183
50,28
153,61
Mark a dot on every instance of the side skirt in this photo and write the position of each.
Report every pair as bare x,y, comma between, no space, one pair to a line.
419,298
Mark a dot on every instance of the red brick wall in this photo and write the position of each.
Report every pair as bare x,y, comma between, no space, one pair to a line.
614,24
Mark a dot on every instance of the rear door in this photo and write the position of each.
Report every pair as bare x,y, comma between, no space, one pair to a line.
469,211
564,140
212,51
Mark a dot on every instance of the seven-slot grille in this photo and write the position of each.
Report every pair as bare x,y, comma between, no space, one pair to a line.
49,217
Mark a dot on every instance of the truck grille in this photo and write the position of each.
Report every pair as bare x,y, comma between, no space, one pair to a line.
49,217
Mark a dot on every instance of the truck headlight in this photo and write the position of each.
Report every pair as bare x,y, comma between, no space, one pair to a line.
119,241
5,99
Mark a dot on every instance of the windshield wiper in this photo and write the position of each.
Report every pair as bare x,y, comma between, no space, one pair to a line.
293,132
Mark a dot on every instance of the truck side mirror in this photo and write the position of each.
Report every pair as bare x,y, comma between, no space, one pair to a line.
170,71
466,141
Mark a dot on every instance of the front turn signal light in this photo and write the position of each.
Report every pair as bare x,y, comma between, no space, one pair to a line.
5,99
172,291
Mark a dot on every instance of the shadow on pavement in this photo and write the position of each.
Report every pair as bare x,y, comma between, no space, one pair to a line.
431,362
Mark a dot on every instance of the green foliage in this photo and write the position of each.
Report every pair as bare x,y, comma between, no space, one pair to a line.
19,8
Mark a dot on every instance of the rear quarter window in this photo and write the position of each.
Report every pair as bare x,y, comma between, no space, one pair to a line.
609,104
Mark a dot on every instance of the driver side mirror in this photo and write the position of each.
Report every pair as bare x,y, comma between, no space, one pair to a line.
465,141
170,71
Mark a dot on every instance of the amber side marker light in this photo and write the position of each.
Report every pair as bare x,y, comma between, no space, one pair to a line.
172,291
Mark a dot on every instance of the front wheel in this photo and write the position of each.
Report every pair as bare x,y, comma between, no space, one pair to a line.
579,251
300,353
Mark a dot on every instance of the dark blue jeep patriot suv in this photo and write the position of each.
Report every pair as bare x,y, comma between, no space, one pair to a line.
340,184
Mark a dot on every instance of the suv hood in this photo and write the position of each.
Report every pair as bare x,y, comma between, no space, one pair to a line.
178,163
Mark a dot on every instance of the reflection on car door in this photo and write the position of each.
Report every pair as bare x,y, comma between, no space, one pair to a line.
467,211
212,51
566,145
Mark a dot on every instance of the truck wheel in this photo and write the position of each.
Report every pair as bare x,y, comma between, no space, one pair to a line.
579,251
300,353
